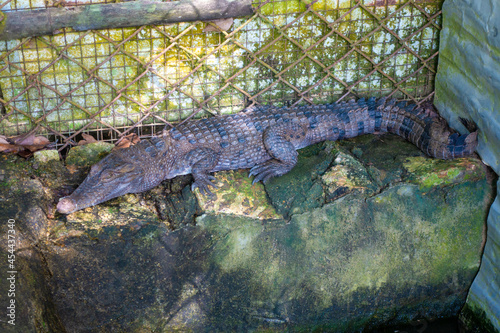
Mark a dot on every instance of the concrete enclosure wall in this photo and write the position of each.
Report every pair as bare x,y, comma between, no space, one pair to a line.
468,85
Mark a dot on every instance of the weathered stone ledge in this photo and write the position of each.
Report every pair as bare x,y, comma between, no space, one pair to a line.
361,233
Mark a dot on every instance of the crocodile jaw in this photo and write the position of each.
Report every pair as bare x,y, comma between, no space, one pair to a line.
67,205
91,193
112,177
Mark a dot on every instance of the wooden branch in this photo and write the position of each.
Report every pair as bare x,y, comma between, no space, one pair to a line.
22,24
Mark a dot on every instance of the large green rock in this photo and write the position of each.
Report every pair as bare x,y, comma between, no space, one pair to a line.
362,233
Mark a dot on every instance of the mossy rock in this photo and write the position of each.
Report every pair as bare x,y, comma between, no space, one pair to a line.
431,173
301,188
88,154
236,195
44,156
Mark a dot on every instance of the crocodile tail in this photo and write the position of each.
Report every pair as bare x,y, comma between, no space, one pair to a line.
444,143
426,129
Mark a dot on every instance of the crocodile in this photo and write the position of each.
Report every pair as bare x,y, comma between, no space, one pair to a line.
263,139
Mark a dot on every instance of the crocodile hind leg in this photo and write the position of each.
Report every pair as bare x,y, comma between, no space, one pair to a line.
202,161
281,142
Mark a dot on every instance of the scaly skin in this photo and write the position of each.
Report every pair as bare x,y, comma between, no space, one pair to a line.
262,138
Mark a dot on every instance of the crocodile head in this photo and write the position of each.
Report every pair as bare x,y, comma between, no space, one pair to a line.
113,176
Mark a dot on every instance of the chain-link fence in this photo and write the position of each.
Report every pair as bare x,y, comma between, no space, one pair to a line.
109,83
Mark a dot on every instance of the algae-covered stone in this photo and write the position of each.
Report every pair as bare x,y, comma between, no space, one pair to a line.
350,264
24,206
383,156
429,173
236,195
125,210
176,207
43,156
346,175
301,188
88,154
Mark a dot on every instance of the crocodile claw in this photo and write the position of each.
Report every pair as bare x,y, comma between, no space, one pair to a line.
264,172
203,184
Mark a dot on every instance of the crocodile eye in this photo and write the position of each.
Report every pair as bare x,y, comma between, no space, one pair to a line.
107,176
118,172
125,168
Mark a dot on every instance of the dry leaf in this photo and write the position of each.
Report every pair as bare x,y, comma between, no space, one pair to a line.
221,25
8,148
30,140
33,148
87,138
127,141
41,140
23,139
23,145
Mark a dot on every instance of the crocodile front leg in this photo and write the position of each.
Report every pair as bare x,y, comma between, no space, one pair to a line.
202,161
281,142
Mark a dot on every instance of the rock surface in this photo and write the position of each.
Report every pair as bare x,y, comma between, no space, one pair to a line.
361,233
467,85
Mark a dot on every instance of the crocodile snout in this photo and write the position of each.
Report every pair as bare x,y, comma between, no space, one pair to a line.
66,205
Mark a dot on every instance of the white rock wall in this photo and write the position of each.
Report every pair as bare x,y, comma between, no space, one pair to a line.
468,85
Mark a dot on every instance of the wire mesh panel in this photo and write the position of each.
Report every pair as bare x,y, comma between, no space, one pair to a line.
116,81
